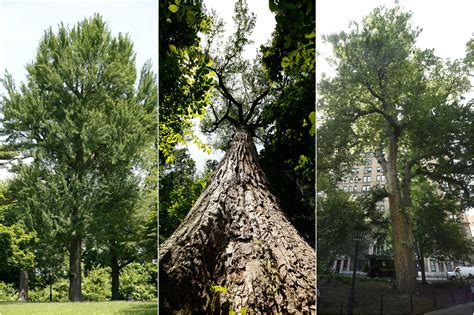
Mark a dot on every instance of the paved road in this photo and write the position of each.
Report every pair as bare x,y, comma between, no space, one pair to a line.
461,309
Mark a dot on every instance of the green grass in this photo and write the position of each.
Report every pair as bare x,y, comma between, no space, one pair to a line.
80,308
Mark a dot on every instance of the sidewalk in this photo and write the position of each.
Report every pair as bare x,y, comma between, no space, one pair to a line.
461,309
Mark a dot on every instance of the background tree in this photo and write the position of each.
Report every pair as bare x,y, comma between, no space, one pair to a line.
17,243
78,114
402,103
288,156
438,229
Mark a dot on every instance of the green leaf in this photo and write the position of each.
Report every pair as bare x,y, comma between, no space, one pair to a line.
211,74
310,35
178,2
273,7
285,62
209,63
173,48
243,311
218,289
173,8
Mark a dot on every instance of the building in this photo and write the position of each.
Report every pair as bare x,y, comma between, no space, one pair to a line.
361,180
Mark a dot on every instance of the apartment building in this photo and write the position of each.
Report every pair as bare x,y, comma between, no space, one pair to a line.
361,180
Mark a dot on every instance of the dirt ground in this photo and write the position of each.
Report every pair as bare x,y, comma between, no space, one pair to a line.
379,296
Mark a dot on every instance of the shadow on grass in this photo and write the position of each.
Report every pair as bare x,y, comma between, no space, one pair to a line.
148,309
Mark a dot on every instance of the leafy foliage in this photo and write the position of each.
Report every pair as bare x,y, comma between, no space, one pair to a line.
184,82
138,281
438,230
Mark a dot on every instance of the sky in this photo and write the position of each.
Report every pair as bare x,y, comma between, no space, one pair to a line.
23,22
447,25
265,24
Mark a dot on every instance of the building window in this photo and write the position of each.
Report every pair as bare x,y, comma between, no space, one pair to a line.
345,188
368,162
366,179
344,266
350,188
366,188
379,169
367,169
355,188
449,267
383,178
378,178
432,265
382,207
440,266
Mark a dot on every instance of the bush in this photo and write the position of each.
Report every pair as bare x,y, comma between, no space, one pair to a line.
60,292
137,279
7,292
97,285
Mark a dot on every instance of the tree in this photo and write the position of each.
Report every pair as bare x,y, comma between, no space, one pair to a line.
437,230
179,189
80,117
339,215
402,103
236,249
183,83
17,242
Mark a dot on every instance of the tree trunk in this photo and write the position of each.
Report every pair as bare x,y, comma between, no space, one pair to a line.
23,289
75,278
237,237
115,275
422,267
402,228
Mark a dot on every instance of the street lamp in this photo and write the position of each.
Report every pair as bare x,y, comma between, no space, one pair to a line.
358,235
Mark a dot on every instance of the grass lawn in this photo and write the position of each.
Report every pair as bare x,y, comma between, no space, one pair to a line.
80,308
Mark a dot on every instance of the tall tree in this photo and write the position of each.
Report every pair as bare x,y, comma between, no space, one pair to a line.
437,228
402,103
77,115
236,249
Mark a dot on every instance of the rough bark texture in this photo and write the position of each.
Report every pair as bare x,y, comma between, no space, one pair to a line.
23,289
402,227
75,279
236,236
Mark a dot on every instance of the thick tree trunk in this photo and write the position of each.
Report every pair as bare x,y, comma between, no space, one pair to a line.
402,228
75,278
23,289
237,237
115,276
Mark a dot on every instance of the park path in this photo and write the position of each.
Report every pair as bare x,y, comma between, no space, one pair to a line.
461,309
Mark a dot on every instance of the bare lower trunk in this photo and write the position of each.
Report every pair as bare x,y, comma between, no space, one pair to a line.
402,227
236,237
75,279
23,289
115,276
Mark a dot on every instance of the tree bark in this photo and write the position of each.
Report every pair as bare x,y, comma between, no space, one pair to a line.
75,277
402,227
236,236
115,275
23,289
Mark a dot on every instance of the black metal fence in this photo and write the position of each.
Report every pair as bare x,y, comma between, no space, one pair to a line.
408,304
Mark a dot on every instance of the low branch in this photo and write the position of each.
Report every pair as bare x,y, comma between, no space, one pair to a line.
255,103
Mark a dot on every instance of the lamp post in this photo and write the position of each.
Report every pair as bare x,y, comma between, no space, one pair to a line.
357,236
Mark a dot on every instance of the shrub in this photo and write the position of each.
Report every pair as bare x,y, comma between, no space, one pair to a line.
137,279
97,285
60,292
7,292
